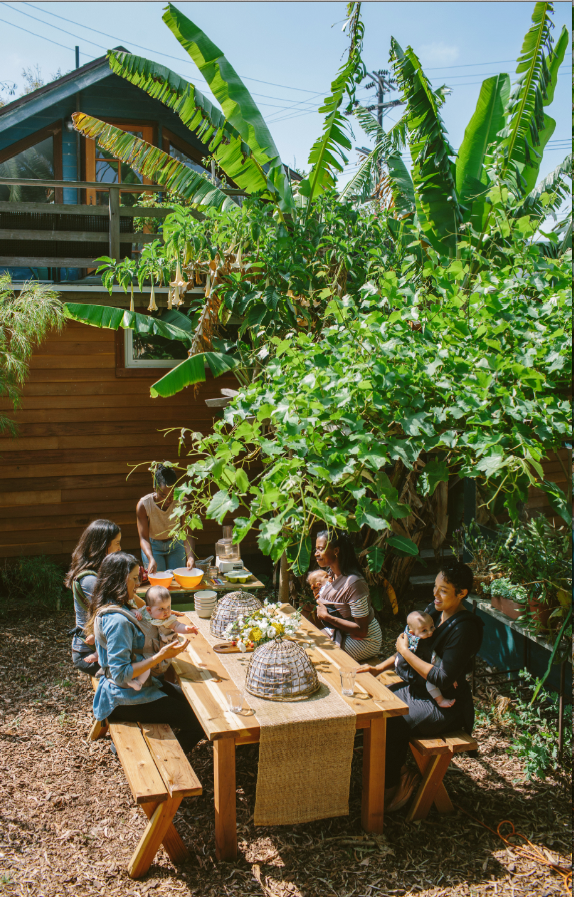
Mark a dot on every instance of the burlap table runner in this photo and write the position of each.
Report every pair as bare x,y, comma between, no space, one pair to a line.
305,753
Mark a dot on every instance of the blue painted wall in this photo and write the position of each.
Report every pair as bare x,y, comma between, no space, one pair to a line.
506,649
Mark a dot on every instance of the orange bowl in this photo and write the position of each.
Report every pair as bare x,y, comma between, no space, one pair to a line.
160,579
188,579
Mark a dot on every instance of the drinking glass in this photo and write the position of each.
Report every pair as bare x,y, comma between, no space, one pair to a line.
234,701
347,682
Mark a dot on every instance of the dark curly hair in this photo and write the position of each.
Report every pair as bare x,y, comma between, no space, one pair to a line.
348,561
111,585
458,575
164,477
91,549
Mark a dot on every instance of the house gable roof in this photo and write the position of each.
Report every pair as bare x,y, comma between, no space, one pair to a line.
68,85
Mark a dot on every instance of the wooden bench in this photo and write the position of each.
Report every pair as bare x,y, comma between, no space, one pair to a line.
432,756
160,776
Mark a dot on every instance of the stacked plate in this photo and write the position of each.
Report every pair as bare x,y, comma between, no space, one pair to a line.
205,603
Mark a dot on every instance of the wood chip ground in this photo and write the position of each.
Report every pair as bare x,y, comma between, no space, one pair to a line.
68,825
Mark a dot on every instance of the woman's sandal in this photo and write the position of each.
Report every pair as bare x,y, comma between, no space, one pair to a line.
409,781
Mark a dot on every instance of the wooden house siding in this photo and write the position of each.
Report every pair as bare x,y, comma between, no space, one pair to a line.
558,469
80,428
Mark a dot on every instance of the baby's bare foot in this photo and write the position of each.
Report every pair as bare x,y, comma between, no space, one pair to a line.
445,702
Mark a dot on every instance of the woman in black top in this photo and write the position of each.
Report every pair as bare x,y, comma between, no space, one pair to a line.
455,642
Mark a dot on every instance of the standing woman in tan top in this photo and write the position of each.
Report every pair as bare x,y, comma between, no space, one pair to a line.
156,520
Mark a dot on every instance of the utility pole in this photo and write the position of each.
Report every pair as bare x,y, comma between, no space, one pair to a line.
384,84
77,57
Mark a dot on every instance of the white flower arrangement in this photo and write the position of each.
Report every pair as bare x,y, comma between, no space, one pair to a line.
247,632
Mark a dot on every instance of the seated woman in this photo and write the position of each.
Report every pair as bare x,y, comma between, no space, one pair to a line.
155,521
344,606
456,640
120,643
100,538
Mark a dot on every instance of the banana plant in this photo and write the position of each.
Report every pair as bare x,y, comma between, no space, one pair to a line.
242,146
503,142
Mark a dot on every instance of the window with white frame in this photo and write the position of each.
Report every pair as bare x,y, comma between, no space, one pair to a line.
152,351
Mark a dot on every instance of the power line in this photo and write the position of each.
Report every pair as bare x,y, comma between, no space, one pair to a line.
33,33
167,55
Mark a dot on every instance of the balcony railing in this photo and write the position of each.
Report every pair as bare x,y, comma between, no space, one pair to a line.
66,235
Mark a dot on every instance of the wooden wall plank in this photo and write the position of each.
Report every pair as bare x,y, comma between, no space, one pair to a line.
44,443
17,503
79,428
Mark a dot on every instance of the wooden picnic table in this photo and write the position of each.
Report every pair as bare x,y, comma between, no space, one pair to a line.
204,680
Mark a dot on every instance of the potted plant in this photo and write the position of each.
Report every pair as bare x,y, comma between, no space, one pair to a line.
508,597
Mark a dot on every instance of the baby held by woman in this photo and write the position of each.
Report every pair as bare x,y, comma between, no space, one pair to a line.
156,617
419,628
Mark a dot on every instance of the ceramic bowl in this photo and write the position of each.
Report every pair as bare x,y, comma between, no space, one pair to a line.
161,579
188,579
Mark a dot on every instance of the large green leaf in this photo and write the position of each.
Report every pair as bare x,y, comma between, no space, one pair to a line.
234,98
401,185
113,318
153,163
432,174
230,152
553,186
327,155
481,132
527,125
192,371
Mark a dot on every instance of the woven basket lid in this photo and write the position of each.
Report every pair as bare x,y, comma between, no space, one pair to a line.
280,670
232,606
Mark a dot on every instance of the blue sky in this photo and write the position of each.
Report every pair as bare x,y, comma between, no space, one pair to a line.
288,53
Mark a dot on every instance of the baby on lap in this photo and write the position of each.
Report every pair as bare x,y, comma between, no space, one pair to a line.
419,628
157,618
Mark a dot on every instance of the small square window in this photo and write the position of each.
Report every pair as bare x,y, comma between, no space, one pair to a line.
152,352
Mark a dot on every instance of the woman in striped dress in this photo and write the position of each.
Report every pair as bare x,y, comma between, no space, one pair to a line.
344,606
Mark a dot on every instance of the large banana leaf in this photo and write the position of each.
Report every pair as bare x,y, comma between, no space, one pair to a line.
192,371
401,185
327,153
113,318
153,163
481,132
432,173
231,153
528,128
553,186
237,103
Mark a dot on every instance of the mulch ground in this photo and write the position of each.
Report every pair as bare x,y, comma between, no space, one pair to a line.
68,825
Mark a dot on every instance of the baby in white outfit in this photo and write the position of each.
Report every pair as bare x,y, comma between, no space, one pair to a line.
157,614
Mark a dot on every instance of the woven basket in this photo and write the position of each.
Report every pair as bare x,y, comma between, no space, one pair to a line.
281,671
232,606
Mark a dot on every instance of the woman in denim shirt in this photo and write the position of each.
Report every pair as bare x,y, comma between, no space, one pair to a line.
119,643
100,538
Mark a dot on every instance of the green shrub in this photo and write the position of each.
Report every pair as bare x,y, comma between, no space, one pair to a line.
37,581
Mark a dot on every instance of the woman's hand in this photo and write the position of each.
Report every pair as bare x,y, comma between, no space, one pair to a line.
402,644
90,639
172,649
152,566
322,612
190,563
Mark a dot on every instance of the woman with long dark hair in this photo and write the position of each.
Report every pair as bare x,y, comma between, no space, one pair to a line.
119,642
155,519
100,538
344,606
